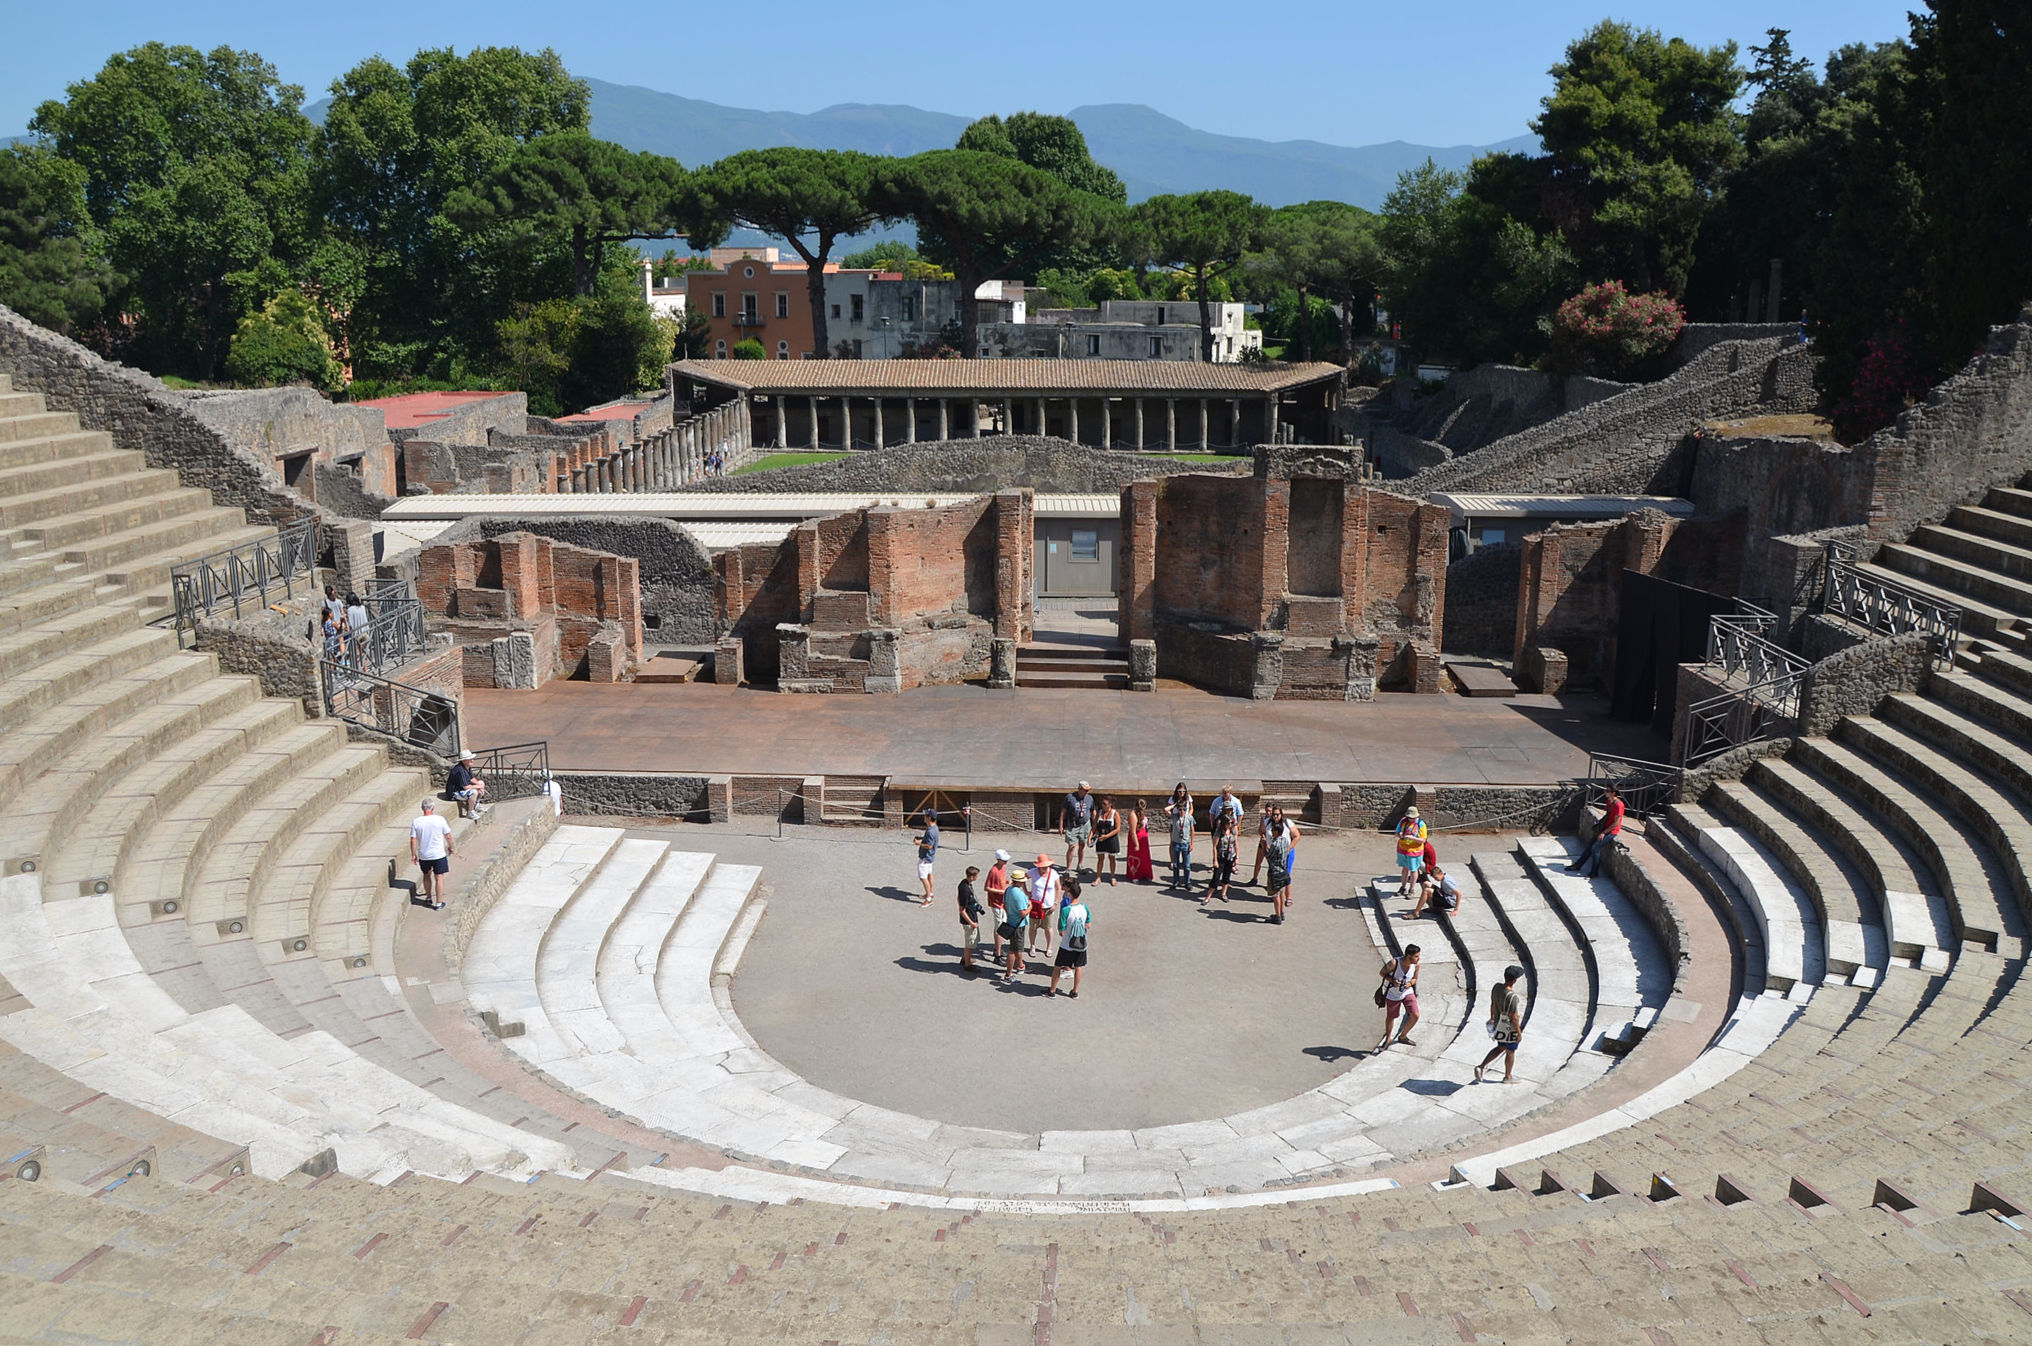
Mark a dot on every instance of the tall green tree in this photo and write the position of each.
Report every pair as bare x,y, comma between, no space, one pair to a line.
1050,144
592,191
396,145
984,216
1202,235
1328,249
809,198
194,171
1640,130
48,272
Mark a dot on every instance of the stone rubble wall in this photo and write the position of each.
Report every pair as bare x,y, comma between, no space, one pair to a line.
147,417
1481,602
1408,429
1047,465
1633,443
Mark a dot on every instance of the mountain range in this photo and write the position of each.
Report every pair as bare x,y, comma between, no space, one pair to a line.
1153,153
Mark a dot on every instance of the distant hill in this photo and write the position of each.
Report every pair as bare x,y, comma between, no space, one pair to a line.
1153,153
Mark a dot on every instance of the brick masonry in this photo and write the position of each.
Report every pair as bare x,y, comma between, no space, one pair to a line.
1307,587
881,600
493,594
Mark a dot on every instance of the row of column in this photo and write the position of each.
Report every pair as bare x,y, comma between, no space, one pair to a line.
1140,436
662,460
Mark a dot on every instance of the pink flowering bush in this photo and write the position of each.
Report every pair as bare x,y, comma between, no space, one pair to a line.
1608,331
1886,382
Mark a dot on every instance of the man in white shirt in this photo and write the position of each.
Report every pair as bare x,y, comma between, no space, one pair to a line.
430,847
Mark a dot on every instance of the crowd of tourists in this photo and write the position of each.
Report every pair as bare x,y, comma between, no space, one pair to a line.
1020,909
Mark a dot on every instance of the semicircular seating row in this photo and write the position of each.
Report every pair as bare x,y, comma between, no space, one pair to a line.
198,969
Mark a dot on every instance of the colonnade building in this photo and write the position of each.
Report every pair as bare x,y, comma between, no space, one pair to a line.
1153,405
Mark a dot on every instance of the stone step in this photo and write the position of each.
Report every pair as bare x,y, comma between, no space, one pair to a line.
1794,943
115,550
1984,552
1872,780
1997,705
46,451
210,767
84,523
45,489
1074,680
35,820
2006,526
1560,976
35,425
1632,971
22,651
1857,949
14,404
1916,920
1995,911
2009,500
2013,671
65,677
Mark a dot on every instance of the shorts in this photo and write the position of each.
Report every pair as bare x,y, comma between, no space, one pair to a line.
1511,1044
1411,864
467,793
970,936
441,865
1390,1007
924,869
1109,845
1070,958
1077,836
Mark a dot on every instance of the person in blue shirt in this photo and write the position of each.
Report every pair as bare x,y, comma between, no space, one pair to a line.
927,853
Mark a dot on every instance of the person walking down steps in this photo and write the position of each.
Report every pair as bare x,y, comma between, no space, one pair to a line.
1399,994
430,850
1506,1024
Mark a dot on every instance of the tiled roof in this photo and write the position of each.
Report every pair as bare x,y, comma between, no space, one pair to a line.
997,378
406,411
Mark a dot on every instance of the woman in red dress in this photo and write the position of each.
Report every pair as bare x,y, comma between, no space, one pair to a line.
1138,869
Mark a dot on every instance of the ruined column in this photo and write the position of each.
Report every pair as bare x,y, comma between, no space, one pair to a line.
1171,425
1072,419
945,418
1234,422
1204,442
782,410
881,423
973,418
1041,422
814,421
1139,425
909,420
1008,416
1270,417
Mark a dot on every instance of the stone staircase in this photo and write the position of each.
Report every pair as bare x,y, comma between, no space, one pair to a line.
1979,558
1089,668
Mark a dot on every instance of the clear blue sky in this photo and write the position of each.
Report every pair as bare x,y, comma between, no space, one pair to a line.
1350,72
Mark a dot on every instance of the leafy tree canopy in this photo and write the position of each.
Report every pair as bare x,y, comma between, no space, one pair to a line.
284,343
48,272
1640,132
1203,235
1053,145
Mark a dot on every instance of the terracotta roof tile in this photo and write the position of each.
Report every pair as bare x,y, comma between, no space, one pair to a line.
994,378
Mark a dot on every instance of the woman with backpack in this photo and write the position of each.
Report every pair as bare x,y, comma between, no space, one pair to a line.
1074,918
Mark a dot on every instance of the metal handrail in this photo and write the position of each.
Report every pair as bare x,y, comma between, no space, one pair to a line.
395,634
1885,605
420,718
1739,644
200,585
1643,785
514,771
1738,717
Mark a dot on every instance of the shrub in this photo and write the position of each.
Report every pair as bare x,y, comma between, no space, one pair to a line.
1887,381
1608,331
284,343
748,348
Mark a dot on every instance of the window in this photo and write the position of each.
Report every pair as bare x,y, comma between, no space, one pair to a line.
748,305
860,307
836,310
1086,544
783,350
720,349
1093,345
1160,315
719,303
857,348
748,272
1156,347
1493,537
782,304
909,310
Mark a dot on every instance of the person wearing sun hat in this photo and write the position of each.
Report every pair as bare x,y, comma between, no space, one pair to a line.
993,886
464,785
1411,834
1044,895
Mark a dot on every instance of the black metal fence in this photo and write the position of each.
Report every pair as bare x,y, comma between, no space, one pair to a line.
1883,604
423,719
257,570
1645,787
515,771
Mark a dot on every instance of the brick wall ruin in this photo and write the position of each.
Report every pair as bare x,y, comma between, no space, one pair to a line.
1310,588
878,600
526,609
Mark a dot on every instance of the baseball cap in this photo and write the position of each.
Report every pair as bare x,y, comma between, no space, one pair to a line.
1001,855
1512,972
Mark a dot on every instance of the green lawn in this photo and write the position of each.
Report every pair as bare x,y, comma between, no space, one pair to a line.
1199,457
775,460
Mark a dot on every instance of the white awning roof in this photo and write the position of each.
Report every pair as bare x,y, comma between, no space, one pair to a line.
1558,508
723,507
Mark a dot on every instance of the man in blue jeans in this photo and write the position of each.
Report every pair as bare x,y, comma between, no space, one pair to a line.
1612,825
1181,843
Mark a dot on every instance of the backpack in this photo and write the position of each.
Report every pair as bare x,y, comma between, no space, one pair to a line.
1076,928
